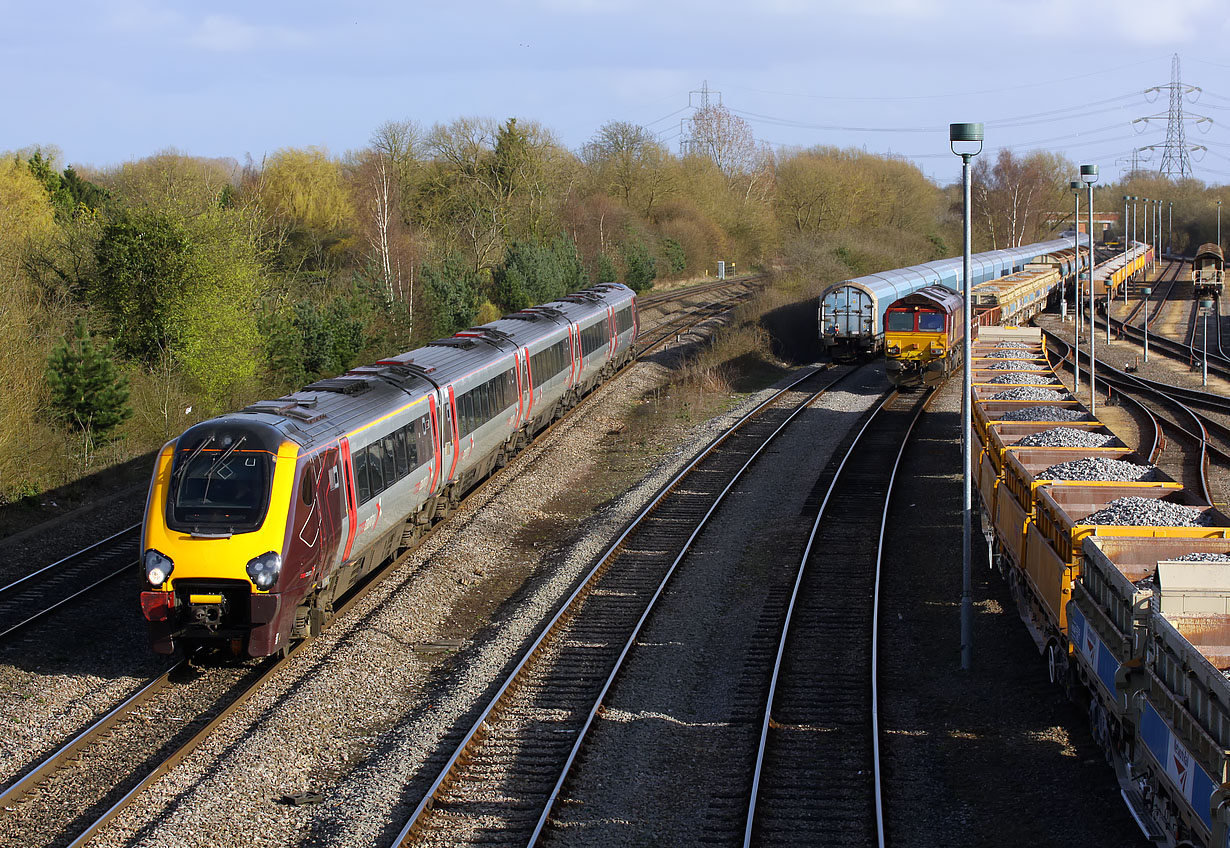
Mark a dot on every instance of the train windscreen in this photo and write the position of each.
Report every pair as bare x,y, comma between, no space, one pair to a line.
899,320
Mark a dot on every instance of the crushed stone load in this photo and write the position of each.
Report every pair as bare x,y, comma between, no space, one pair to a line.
1025,393
1100,469
1013,346
1144,583
1147,512
1010,364
1067,437
1045,413
1004,354
1023,377
1209,557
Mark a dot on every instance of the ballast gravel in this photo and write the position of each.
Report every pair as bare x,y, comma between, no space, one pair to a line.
1068,437
1101,469
1026,393
1013,353
1202,557
1009,364
1013,346
1045,413
1026,377
1147,512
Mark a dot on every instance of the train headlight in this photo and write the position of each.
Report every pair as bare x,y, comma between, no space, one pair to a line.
158,567
893,350
264,569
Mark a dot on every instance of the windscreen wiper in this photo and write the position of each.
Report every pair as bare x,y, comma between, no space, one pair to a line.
195,453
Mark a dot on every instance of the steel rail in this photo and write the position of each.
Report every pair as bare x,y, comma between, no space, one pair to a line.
1127,383
5,589
1158,441
508,686
703,523
777,666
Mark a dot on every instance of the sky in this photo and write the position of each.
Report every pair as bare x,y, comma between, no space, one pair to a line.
107,82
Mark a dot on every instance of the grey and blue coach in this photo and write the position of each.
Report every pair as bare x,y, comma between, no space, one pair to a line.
852,311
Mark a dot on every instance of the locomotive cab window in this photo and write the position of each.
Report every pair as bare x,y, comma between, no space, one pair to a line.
218,487
900,320
932,322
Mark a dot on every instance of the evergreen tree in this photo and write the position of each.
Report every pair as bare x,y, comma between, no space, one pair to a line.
87,393
639,266
606,272
57,192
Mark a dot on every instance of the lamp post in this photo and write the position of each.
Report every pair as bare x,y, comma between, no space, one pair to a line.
1157,232
1170,227
1205,306
1075,185
966,135
1134,199
1089,176
1146,291
1219,223
1126,198
1144,227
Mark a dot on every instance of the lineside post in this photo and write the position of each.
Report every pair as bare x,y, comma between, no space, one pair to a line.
971,133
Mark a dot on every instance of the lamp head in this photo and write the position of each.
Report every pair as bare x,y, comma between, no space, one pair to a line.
1089,173
965,134
1076,185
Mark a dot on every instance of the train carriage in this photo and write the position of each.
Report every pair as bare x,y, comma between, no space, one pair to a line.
1208,271
851,312
258,520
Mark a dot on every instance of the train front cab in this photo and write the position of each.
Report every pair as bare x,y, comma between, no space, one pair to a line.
213,542
920,341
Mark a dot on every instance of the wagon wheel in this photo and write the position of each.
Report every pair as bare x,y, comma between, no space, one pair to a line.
1056,663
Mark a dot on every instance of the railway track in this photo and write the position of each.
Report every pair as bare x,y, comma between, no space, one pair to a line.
66,581
1176,421
527,737
1191,349
72,792
80,786
817,774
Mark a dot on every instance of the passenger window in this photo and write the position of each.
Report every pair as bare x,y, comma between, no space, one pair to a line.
399,449
390,461
362,486
375,468
411,446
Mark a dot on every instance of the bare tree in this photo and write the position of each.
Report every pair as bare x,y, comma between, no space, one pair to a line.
725,138
1015,198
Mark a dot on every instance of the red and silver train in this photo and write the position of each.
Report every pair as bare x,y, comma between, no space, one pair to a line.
257,521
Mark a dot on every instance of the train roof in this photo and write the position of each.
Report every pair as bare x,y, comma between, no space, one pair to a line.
900,282
1210,250
939,296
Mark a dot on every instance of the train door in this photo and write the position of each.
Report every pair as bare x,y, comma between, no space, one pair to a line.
851,310
332,508
448,434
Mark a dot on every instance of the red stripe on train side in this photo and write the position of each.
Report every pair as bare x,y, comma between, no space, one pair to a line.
452,405
435,445
352,504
